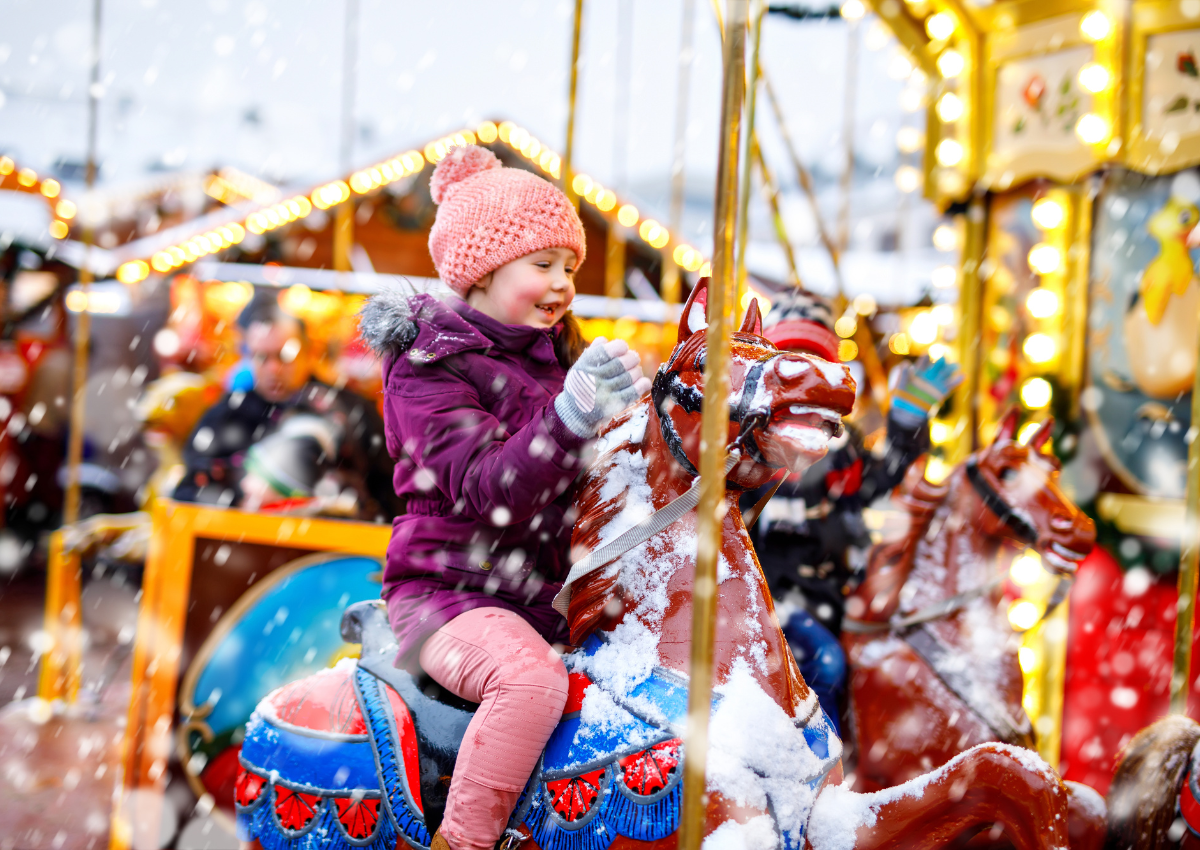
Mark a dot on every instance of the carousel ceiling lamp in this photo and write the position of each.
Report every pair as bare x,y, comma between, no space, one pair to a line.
27,177
924,328
487,132
50,188
846,326
852,10
1039,348
949,152
1042,303
865,304
1026,570
1036,393
1045,259
1047,213
950,64
627,215
940,432
944,277
1094,77
59,229
945,237
940,26
847,350
908,178
330,194
133,271
900,67
1024,615
1095,26
605,200
938,351
943,314
950,107
909,139
1091,128
6,166
65,209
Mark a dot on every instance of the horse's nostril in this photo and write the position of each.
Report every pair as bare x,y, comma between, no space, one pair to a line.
1062,522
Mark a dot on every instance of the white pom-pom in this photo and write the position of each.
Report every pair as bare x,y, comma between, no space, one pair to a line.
1186,187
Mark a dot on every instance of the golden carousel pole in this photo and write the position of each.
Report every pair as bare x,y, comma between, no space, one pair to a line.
749,146
670,278
714,429
572,93
1189,562
343,221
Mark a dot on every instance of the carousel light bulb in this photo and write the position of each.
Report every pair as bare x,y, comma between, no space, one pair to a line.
1045,259
65,209
898,343
900,67
940,26
161,262
133,271
908,178
1036,393
847,350
852,10
950,107
1047,213
939,351
909,139
950,64
949,152
627,215
845,327
1091,128
937,470
924,328
940,432
865,304
59,229
945,238
1024,614
944,277
1042,303
1027,658
943,314
487,132
1095,26
1094,77
1039,348
50,188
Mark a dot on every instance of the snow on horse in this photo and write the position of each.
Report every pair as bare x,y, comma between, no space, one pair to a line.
360,756
933,659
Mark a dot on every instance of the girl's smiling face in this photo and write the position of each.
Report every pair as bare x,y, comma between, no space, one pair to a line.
534,290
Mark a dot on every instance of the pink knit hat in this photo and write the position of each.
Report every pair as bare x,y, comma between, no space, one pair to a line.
489,215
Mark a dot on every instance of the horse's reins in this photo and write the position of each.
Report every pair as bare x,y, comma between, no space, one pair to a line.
1011,520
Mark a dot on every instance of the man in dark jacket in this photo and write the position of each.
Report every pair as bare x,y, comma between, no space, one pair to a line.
280,370
811,536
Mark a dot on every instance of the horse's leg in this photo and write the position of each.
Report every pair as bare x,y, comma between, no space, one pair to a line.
989,784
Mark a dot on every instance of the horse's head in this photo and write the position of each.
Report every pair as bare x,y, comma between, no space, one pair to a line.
1018,484
784,406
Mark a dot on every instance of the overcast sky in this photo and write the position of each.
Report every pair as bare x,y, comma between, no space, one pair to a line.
194,84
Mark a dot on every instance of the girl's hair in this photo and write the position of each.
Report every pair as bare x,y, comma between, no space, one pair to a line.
569,343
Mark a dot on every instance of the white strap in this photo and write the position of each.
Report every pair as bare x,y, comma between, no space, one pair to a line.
633,537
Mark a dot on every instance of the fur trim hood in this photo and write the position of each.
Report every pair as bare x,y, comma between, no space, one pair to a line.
386,322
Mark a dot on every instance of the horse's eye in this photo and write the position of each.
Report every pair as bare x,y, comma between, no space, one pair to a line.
1008,474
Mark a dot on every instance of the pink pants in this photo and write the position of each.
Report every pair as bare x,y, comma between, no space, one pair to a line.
493,657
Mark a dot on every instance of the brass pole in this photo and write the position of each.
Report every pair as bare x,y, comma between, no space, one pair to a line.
966,397
1189,562
572,93
850,103
343,220
614,263
670,279
714,431
771,192
749,142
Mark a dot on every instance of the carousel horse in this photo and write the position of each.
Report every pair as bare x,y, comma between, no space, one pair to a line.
933,659
361,756
1154,799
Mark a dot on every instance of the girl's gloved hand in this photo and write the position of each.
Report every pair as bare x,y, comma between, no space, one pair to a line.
605,380
922,388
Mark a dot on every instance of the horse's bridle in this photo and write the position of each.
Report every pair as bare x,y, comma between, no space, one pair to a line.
995,503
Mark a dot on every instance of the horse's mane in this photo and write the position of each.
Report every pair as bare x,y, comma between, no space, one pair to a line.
590,596
1142,799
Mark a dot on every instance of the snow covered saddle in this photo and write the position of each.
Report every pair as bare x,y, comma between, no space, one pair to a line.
359,756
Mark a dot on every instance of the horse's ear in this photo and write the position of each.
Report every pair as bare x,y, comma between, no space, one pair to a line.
694,317
1042,434
752,322
1008,427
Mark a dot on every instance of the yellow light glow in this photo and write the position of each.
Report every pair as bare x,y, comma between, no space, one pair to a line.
845,327
1039,348
1025,434
852,10
1027,658
50,188
606,200
1095,26
27,177
76,301
939,351
912,99
943,314
133,271
908,179
898,343
177,255
274,219
582,184
706,269
937,470
1047,213
505,130
256,223
295,298
949,107
487,132
628,215
65,209
1045,259
865,304
59,229
1091,128
360,182
6,166
1036,393
940,432
940,26
1094,77
847,350
909,139
161,262
1042,303
924,328
1024,614
944,277
950,64
949,152
945,237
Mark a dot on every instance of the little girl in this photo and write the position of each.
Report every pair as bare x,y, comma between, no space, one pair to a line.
487,417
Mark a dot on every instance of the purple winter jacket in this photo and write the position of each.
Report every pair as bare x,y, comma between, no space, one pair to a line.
486,466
